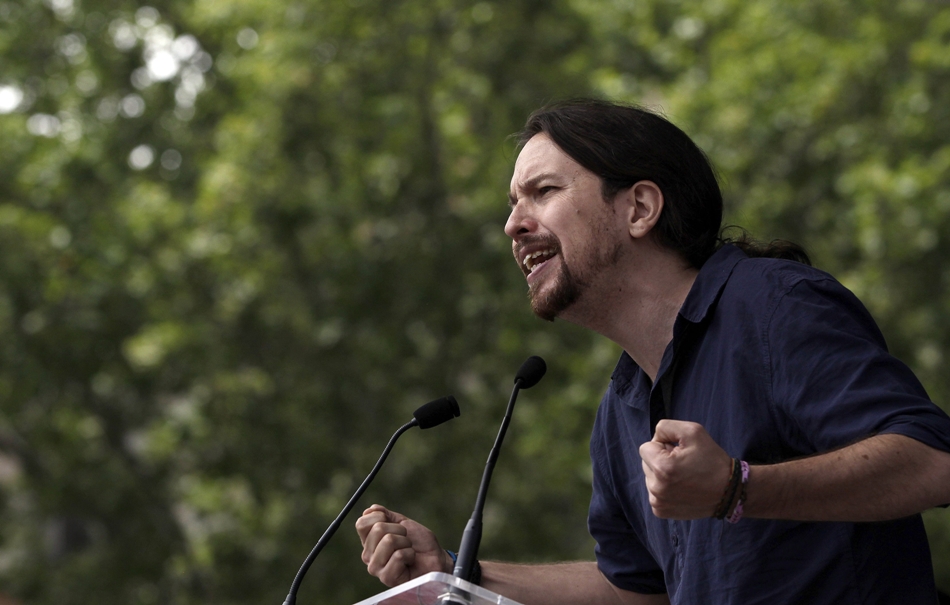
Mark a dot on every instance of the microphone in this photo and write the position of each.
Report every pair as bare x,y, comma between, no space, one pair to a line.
436,412
529,374
426,416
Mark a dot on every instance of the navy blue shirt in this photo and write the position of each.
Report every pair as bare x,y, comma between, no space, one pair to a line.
782,361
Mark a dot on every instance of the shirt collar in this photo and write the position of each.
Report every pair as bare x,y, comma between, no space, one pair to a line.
700,301
709,283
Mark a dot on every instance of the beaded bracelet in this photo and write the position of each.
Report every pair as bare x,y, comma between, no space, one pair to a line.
737,512
722,509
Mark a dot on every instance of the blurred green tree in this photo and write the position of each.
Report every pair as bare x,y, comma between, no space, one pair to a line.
242,241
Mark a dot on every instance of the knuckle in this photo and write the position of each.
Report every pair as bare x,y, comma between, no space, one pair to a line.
660,499
371,536
387,540
378,532
660,508
692,429
662,475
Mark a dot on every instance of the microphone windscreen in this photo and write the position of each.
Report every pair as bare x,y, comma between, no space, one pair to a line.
530,372
436,412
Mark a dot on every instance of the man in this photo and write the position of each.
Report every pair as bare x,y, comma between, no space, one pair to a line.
756,444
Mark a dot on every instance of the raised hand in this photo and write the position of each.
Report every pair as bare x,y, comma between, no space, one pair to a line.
686,471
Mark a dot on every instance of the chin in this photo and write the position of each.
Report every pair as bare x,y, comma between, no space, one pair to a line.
549,305
543,312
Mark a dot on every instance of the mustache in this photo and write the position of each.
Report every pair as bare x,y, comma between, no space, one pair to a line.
537,240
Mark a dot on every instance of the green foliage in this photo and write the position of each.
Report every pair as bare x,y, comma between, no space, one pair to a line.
242,241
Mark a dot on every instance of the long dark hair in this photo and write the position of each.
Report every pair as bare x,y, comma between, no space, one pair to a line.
623,144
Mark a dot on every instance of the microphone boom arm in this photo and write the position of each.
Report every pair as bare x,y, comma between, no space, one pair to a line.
472,536
530,372
426,416
292,595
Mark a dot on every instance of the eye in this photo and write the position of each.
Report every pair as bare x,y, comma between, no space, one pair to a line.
546,189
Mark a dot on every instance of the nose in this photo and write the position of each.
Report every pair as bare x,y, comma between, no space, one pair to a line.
520,222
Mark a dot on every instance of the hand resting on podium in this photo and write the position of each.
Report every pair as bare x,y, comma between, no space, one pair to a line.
396,549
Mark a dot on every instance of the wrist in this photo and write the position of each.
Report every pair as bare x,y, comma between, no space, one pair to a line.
476,568
730,506
772,495
731,488
737,508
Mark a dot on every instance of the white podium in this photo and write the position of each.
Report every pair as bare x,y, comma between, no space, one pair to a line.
437,588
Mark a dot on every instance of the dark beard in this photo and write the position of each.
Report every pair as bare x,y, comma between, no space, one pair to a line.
568,289
565,293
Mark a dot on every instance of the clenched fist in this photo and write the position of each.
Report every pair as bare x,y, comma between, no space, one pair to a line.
686,471
397,549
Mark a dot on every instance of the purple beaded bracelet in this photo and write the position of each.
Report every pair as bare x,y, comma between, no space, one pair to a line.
737,512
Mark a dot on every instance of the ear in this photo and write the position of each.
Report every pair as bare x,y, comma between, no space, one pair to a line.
643,205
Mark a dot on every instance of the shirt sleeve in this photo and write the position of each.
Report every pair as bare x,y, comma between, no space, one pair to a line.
621,554
833,380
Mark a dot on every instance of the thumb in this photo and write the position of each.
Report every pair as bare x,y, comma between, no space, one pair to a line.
651,451
672,431
388,515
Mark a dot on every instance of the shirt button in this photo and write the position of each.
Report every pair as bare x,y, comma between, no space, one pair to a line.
676,540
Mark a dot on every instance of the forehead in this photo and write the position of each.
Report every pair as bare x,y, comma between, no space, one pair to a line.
542,157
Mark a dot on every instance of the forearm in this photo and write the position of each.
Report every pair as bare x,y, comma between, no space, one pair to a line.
880,478
579,583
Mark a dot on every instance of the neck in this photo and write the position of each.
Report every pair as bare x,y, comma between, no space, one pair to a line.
635,304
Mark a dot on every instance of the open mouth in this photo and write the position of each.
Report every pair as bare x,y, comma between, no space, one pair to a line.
534,260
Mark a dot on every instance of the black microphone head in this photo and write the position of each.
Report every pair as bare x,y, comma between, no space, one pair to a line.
530,372
436,412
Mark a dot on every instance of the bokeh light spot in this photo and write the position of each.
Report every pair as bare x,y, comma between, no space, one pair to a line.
10,98
141,157
247,38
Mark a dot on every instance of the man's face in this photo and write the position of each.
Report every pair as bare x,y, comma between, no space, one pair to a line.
563,232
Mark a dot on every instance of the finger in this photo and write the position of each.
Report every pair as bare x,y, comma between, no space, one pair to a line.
398,568
657,462
390,515
378,533
647,472
671,431
651,451
379,559
366,523
374,508
376,514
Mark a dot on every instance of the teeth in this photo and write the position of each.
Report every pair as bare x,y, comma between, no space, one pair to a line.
529,259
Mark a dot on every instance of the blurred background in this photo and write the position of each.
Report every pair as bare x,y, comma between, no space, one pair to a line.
241,240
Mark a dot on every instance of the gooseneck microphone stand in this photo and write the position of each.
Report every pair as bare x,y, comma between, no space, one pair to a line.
429,415
531,371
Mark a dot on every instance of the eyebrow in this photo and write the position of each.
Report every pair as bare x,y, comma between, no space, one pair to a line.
529,184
